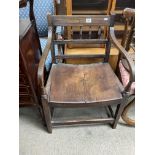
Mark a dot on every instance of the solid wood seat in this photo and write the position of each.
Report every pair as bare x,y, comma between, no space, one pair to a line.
84,84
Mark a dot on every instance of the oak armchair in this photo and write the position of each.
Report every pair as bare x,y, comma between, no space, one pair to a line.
85,85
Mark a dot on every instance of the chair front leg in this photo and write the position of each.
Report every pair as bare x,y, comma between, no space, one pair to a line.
119,110
47,114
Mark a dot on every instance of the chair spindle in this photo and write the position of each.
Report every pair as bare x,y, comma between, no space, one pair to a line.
80,32
71,32
90,32
99,32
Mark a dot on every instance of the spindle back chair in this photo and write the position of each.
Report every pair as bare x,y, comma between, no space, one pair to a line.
82,22
85,85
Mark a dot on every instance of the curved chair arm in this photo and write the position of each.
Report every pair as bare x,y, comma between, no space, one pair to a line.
41,67
126,56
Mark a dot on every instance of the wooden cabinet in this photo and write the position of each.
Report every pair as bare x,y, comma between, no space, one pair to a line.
29,56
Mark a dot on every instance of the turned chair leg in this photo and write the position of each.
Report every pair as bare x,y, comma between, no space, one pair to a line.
119,110
47,115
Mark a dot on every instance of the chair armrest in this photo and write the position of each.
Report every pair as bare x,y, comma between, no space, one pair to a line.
41,67
126,56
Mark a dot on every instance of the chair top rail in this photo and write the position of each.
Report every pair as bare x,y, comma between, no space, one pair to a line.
80,20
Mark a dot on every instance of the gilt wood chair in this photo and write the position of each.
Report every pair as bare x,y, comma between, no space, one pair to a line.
85,85
128,42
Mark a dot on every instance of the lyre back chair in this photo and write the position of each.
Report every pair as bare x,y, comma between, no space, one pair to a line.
86,85
128,42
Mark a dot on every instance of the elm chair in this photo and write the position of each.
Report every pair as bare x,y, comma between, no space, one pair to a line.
41,8
128,42
86,85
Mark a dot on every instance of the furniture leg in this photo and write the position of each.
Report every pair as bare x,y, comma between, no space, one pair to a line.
47,115
108,112
40,109
111,111
119,110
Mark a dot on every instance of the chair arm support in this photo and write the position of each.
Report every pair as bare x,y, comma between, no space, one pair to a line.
41,67
125,55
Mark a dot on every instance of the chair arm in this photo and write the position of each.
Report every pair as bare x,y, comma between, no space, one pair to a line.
41,67
126,56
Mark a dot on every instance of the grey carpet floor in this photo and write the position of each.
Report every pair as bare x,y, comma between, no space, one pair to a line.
79,140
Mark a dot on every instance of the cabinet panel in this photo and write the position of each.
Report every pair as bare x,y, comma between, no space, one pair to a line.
28,65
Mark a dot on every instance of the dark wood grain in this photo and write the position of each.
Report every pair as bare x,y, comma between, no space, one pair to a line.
81,85
81,41
83,121
80,20
29,60
29,56
80,56
85,83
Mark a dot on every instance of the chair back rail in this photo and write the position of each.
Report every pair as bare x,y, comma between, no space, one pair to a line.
81,21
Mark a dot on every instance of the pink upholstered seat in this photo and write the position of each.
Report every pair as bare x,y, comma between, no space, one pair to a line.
125,77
